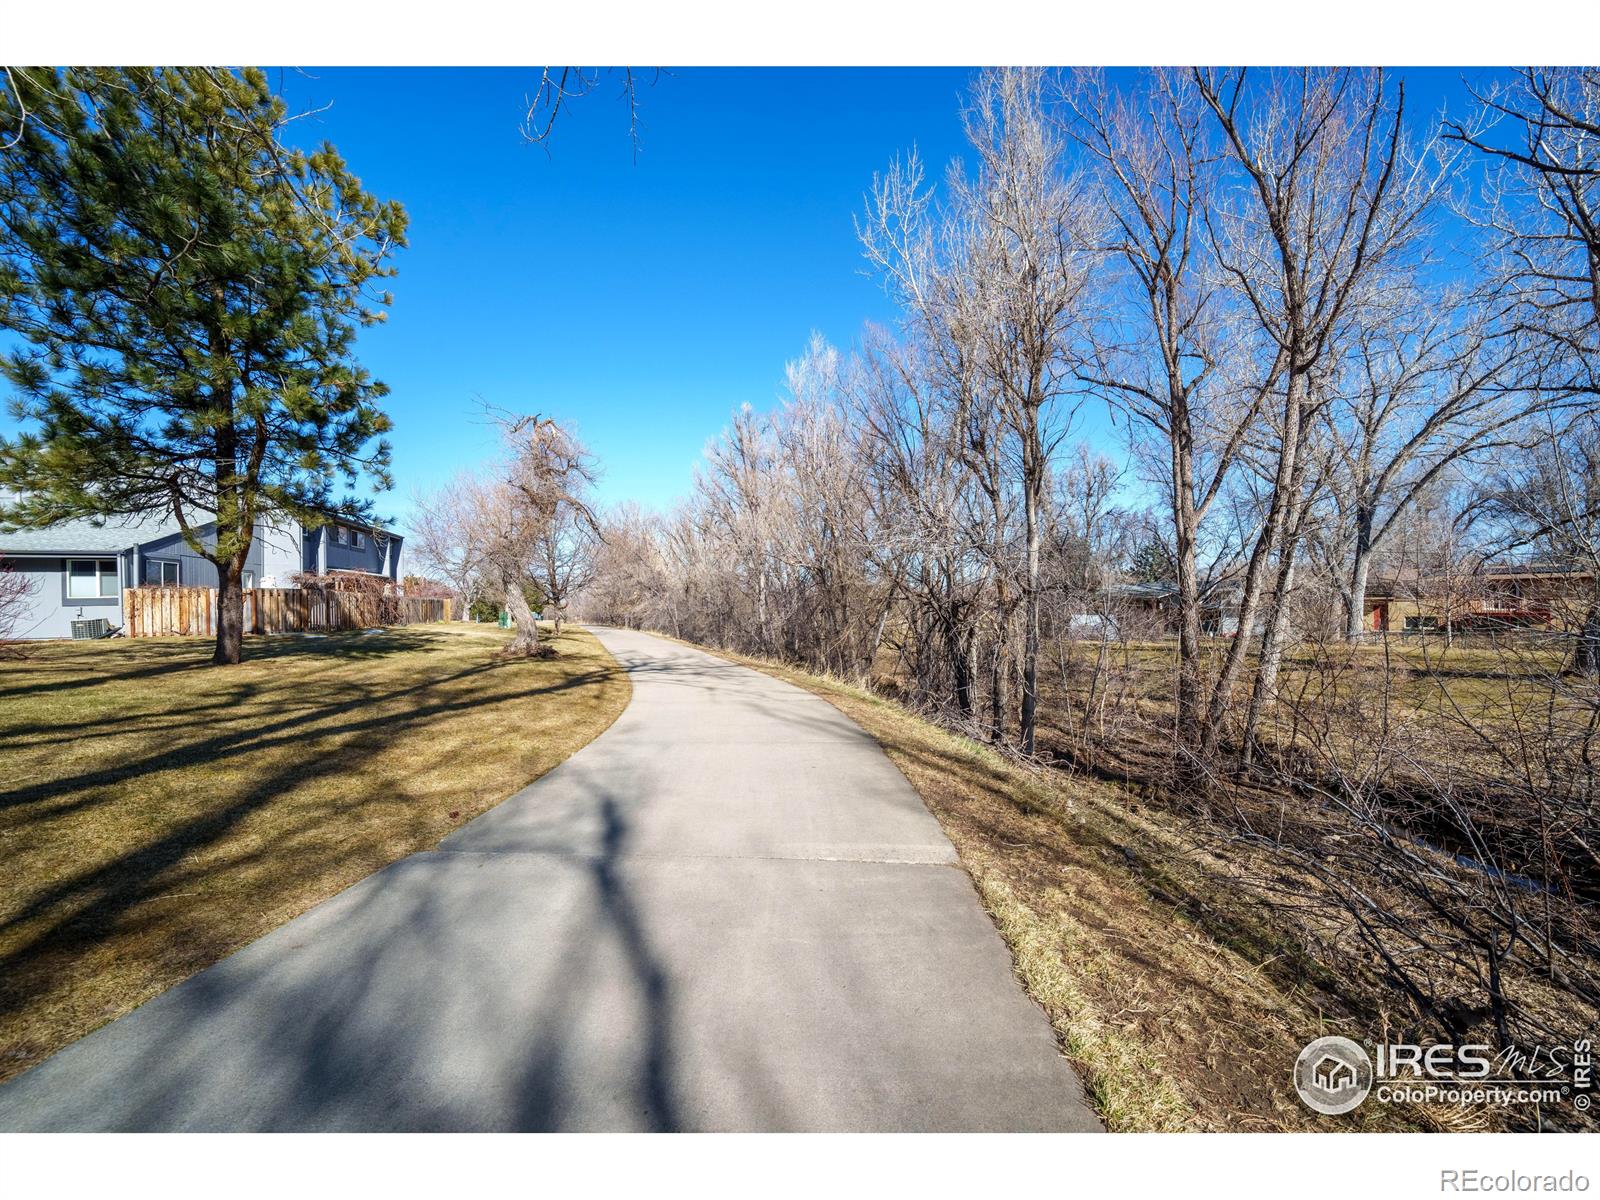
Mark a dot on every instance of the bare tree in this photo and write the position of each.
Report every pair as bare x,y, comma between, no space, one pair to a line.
929,515
1329,192
998,283
496,528
1541,135
830,536
1423,386
1163,358
1545,501
933,424
631,583
546,481
560,86
564,559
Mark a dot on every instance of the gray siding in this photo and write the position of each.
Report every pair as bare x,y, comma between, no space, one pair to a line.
51,611
280,553
368,557
193,571
272,553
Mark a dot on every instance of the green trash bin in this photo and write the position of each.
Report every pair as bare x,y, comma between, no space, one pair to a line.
505,619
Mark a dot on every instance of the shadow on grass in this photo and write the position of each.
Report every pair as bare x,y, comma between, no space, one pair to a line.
366,1020
53,929
89,665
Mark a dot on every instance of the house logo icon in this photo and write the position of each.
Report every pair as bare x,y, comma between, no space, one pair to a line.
1333,1075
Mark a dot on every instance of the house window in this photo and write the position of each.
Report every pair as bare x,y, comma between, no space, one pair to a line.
357,539
247,579
1422,622
91,578
163,571
341,535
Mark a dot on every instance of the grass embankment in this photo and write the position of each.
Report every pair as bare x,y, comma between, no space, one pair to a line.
157,813
1182,1004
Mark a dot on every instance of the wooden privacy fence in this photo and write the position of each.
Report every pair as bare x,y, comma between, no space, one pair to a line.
192,611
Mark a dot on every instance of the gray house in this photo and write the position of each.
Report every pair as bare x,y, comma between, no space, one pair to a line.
345,546
80,569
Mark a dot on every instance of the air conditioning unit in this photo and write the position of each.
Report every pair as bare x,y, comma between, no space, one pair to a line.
97,628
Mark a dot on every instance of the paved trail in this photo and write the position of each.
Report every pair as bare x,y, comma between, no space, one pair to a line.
730,911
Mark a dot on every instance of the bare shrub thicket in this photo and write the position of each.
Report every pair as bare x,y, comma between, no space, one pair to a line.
381,596
1186,366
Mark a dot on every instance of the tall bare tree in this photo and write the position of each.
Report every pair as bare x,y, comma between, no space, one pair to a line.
1163,358
1541,136
1424,384
1325,191
494,528
996,279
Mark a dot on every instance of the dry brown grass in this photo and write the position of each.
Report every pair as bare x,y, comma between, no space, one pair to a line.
157,813
1181,1002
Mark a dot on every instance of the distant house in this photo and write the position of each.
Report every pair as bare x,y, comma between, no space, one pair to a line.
1149,596
81,570
1537,594
1220,603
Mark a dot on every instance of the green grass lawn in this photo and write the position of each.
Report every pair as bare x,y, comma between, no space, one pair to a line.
157,813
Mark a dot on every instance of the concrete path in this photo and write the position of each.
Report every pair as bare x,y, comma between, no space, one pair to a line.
729,912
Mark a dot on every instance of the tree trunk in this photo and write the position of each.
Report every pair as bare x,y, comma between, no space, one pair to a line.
526,641
1273,640
1272,536
1276,634
870,655
230,614
962,686
963,665
230,514
1356,613
997,692
1032,485
1184,522
761,606
1586,652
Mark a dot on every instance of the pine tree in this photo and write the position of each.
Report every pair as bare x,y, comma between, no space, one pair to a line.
187,290
1152,562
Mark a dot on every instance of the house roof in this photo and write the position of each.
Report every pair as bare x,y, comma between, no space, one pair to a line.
112,535
1145,591
1212,592
107,535
1535,569
375,529
1412,582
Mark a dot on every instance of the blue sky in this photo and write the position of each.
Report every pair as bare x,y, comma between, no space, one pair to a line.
643,300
